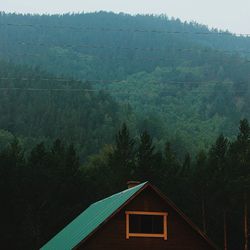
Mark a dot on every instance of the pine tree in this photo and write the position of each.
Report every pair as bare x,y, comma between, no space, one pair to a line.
200,185
220,184
146,159
170,173
122,160
240,163
12,172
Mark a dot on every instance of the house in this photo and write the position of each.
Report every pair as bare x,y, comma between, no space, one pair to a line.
140,217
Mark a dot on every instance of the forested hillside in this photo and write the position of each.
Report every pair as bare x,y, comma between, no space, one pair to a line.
41,107
68,82
185,82
110,46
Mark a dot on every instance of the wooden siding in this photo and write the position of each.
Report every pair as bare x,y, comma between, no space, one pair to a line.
112,235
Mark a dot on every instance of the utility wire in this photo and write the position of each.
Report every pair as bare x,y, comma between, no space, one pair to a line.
149,49
48,89
148,59
115,81
108,91
104,29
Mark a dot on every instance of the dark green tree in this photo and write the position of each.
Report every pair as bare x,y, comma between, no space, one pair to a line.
200,186
148,162
240,165
12,209
220,181
122,159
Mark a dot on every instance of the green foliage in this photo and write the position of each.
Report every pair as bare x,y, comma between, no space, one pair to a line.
186,90
54,110
121,161
42,192
5,138
146,159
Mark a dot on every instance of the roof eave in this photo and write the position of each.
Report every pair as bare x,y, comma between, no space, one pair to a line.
188,221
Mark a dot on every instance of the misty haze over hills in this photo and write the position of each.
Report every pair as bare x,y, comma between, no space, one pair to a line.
183,81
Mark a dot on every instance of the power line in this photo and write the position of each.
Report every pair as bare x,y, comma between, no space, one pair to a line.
127,92
104,29
89,46
108,91
70,90
38,79
116,81
50,89
58,79
148,59
149,49
62,90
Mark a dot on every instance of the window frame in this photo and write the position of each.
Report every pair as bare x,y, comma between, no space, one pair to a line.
145,235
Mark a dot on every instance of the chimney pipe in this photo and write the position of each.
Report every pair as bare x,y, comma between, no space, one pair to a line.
131,184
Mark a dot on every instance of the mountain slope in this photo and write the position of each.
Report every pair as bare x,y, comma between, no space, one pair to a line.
35,105
186,83
108,46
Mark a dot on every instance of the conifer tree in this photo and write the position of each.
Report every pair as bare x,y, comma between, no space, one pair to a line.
146,159
240,164
200,185
220,184
122,159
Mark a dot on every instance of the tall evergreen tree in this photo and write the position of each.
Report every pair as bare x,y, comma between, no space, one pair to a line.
170,172
200,185
220,184
122,159
147,161
12,209
240,164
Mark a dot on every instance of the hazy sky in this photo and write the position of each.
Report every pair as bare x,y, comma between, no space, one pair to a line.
233,15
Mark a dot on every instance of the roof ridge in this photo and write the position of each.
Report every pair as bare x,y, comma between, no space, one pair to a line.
119,193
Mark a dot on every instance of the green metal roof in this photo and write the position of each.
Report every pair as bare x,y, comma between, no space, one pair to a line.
89,220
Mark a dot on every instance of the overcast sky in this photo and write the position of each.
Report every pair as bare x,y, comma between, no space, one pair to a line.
233,15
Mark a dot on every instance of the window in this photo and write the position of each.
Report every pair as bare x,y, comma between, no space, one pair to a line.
146,224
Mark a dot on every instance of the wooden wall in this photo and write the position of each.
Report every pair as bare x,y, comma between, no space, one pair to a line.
113,234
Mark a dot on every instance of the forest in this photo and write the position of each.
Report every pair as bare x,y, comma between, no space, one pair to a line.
182,80
93,100
42,191
42,108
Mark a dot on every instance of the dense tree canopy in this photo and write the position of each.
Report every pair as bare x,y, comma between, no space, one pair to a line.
45,189
38,109
180,90
183,80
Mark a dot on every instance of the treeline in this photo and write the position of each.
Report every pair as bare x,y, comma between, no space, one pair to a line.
42,191
39,194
